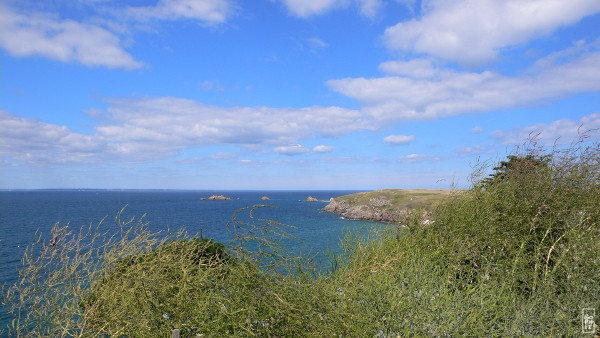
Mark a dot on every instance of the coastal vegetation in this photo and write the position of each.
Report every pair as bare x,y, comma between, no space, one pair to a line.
514,255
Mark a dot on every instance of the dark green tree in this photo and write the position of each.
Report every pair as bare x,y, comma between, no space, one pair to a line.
516,165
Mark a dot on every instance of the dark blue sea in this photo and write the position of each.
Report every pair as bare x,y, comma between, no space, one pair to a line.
22,213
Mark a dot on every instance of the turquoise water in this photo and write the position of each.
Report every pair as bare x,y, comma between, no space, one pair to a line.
24,212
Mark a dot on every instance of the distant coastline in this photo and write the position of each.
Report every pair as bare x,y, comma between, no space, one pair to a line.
388,205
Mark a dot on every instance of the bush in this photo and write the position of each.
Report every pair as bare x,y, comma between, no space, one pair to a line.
147,289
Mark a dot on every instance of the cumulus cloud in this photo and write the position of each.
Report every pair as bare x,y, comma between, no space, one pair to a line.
139,129
292,150
474,31
562,131
415,68
303,8
36,142
206,11
448,93
323,149
399,139
412,158
63,40
183,122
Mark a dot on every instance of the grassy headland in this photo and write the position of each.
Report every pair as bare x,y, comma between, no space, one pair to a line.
389,205
516,255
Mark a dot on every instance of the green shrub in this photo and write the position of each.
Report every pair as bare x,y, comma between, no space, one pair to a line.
149,287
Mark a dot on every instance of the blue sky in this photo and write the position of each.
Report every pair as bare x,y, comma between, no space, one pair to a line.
287,94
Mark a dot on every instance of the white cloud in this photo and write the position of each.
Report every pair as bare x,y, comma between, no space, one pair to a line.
303,8
207,11
306,8
184,122
412,158
474,150
323,149
152,128
563,131
474,31
476,130
399,139
316,44
415,68
224,156
410,4
212,85
448,93
370,8
296,149
63,40
36,142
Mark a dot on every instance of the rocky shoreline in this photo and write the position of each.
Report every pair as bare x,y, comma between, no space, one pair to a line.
361,212
388,206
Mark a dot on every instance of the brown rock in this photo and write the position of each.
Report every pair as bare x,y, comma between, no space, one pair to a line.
216,198
362,212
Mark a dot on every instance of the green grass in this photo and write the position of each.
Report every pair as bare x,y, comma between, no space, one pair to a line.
396,199
516,256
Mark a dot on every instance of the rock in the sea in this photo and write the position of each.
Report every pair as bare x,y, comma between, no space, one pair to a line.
216,198
265,198
311,199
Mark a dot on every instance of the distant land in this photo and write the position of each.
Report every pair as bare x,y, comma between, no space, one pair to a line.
388,205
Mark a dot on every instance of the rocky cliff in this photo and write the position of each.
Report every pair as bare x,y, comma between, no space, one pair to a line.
361,211
390,206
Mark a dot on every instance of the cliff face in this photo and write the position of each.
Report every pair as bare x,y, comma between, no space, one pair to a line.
362,211
390,206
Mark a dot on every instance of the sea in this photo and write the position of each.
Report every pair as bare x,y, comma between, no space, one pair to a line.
314,233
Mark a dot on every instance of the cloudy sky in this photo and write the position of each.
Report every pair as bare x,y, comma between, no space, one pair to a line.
287,94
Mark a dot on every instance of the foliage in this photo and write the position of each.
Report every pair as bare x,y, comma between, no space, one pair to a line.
517,258
516,166
163,277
